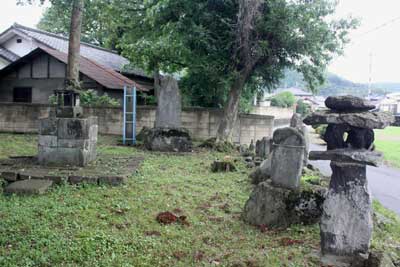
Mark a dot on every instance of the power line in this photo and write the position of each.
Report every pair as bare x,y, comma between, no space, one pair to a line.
387,23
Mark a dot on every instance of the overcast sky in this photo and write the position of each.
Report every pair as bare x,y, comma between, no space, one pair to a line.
383,43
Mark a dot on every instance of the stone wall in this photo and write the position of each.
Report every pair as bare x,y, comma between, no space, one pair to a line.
277,112
201,122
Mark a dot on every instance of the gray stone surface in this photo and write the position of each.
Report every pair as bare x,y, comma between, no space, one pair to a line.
286,166
67,141
28,187
287,157
346,223
279,208
168,140
379,259
76,179
112,180
361,156
262,173
369,120
263,147
288,136
168,114
297,122
9,176
348,103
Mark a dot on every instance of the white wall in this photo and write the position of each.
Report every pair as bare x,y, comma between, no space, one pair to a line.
21,49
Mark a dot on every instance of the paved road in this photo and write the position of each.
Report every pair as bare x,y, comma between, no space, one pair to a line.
384,181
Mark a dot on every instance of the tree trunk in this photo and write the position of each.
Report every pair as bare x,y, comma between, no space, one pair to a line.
231,110
74,44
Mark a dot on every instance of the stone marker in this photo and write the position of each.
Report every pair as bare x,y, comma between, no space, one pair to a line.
287,157
168,114
28,187
297,122
222,166
112,180
346,222
263,147
77,179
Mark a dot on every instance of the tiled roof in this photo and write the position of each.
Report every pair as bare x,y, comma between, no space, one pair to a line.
103,56
7,54
101,74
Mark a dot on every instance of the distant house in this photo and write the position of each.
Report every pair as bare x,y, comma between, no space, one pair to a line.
391,103
33,65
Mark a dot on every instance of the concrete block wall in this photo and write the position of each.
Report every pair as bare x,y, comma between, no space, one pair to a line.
201,122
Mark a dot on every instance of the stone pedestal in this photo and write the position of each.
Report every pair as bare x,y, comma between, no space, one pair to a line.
67,141
346,223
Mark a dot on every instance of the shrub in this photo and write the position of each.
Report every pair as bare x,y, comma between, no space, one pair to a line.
92,99
283,100
303,108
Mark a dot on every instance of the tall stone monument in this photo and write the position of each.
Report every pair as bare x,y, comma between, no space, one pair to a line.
168,135
346,223
67,138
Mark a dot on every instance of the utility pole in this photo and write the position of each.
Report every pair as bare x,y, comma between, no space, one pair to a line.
370,75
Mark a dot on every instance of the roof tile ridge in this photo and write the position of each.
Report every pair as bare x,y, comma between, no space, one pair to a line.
17,26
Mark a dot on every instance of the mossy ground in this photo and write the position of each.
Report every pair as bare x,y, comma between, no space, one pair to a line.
116,226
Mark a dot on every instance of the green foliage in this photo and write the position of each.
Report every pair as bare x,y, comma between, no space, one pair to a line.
91,98
303,108
283,100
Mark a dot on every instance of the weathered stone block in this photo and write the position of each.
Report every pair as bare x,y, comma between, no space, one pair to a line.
47,140
28,187
73,128
348,204
9,176
73,143
168,140
48,126
279,207
76,179
286,166
112,180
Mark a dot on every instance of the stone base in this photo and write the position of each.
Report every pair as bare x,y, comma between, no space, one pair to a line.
28,187
67,141
346,222
279,208
168,140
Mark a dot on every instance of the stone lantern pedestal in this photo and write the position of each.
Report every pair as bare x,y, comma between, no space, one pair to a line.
67,138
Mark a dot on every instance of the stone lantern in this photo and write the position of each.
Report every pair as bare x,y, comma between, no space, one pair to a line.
68,104
346,222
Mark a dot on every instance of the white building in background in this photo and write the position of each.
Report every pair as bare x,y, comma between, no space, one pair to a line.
391,103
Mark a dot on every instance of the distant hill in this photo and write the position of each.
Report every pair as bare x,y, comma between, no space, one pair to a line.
336,85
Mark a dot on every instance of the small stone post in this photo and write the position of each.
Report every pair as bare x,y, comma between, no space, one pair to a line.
346,223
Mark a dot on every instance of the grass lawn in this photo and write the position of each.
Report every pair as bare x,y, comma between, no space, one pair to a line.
105,226
388,142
